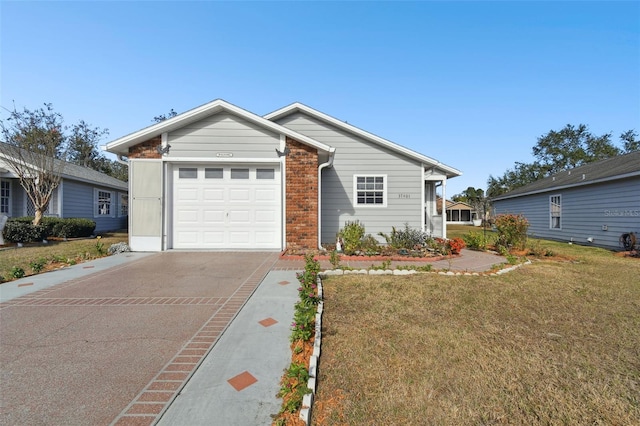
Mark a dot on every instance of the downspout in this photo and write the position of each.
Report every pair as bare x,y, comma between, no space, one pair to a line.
121,161
329,163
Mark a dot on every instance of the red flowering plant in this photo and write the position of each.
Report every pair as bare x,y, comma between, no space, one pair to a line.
455,245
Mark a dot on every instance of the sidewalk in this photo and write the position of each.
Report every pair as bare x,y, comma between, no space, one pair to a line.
238,381
17,288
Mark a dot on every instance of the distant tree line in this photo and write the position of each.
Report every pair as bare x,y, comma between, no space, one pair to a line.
567,148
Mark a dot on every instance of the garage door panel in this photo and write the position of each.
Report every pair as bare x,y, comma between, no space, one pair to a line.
213,217
239,194
187,216
187,238
187,194
213,237
265,217
266,194
239,237
240,217
264,237
221,210
211,194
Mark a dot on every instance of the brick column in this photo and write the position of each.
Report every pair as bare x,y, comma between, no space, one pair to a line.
302,196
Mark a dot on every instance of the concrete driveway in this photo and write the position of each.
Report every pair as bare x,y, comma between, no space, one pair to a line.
116,344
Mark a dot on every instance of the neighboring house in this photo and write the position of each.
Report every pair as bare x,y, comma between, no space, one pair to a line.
592,204
459,213
221,177
82,193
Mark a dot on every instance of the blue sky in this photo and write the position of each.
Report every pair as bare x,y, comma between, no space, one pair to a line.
472,84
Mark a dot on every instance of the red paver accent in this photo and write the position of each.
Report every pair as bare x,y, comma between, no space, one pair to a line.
267,322
193,352
135,421
156,396
198,346
284,282
179,367
242,381
25,284
187,359
145,409
173,376
88,267
161,385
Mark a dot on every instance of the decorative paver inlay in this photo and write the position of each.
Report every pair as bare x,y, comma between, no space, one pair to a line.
242,381
284,282
116,301
25,284
267,322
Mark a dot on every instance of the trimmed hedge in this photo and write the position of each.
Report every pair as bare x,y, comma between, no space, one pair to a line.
21,229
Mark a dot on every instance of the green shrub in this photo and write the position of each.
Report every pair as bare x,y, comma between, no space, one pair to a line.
512,231
37,265
73,228
17,230
406,238
351,235
21,229
17,272
475,240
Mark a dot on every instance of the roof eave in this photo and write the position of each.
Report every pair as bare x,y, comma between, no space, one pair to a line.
571,185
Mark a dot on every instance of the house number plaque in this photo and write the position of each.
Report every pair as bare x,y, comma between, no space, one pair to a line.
404,195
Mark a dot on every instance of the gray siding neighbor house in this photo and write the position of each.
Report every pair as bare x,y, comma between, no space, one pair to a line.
592,204
82,193
221,177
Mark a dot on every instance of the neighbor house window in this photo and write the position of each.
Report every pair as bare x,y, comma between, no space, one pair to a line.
104,203
370,190
555,211
5,197
124,204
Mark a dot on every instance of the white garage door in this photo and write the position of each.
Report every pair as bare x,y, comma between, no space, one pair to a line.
227,207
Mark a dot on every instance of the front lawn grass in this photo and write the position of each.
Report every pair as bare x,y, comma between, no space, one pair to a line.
554,342
55,253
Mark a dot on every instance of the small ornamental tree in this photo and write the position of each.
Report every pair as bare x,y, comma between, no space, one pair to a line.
32,146
512,231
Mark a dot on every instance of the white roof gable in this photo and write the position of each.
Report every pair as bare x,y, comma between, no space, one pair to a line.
427,161
121,145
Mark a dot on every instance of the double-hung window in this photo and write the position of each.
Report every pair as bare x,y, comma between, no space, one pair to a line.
555,212
124,205
5,197
370,190
104,203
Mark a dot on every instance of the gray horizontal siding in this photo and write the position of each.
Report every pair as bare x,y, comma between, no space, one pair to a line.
358,156
584,212
223,133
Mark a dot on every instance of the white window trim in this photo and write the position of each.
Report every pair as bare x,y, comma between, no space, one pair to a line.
551,198
112,205
8,213
120,204
385,184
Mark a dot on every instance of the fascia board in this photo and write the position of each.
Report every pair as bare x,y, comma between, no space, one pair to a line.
199,113
297,106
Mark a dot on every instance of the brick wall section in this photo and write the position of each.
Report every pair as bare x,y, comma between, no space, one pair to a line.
302,196
146,149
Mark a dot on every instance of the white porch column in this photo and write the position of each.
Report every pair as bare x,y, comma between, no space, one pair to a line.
444,207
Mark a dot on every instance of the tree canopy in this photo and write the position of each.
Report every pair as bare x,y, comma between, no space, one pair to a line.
570,147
